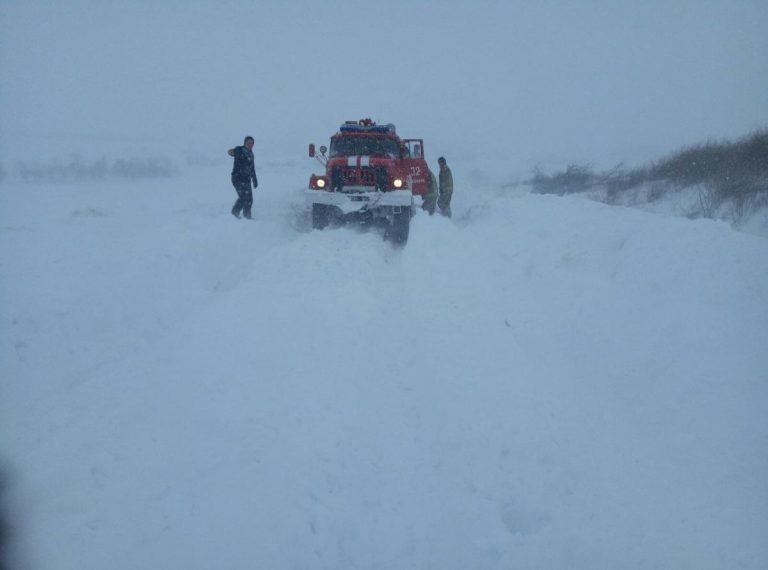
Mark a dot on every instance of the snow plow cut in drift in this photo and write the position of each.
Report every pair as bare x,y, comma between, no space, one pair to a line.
371,176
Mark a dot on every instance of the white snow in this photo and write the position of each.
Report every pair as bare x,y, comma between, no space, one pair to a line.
540,382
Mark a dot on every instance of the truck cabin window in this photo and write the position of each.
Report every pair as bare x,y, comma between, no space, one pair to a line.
350,146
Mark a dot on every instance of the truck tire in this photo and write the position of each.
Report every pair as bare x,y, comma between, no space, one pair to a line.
401,224
320,216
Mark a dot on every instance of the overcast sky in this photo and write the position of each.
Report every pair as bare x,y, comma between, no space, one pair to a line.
547,81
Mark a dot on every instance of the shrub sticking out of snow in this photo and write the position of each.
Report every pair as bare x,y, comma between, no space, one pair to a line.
730,179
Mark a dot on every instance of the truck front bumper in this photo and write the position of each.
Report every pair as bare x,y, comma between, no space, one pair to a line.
353,199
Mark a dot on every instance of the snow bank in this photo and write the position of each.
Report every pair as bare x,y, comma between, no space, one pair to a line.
539,382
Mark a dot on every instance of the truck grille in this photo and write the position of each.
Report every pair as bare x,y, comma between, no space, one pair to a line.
363,176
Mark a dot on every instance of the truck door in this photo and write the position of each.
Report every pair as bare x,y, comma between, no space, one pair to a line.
415,165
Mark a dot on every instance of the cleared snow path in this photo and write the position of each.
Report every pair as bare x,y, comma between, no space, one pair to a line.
540,382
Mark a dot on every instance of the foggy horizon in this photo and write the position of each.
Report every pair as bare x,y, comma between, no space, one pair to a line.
551,82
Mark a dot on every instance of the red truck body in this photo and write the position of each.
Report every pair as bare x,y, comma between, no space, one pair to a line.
370,173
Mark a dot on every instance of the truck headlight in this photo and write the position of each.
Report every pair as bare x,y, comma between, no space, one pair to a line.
321,182
397,183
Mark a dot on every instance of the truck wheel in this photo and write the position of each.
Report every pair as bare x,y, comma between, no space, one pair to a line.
320,216
401,223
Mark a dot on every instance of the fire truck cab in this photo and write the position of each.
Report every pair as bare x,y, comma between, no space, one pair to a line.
371,176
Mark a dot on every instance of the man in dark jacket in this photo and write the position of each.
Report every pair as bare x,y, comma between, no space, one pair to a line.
243,173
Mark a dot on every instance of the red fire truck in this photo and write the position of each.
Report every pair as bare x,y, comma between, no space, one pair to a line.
371,176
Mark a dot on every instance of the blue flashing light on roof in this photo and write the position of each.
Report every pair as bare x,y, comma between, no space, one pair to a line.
366,126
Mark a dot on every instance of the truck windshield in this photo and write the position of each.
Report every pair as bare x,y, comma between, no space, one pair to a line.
350,146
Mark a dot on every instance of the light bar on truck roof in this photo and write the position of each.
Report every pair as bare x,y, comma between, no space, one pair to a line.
357,127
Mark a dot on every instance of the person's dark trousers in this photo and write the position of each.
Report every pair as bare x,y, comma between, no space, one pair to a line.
244,197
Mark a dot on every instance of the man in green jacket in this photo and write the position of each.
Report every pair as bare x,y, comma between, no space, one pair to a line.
446,188
430,198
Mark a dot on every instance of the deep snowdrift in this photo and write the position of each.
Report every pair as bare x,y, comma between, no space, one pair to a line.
539,383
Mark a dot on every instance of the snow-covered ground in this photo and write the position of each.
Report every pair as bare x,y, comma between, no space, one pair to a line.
540,382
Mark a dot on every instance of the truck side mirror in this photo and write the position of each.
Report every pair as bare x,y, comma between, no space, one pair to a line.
311,151
323,149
